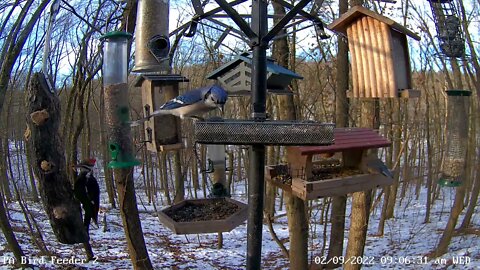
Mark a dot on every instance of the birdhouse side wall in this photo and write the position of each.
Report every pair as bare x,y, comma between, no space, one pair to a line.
164,129
371,57
237,80
401,59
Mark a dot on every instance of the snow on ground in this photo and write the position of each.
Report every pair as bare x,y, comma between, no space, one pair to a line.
406,239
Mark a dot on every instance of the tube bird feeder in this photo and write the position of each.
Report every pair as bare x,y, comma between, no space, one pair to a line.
457,137
115,72
449,30
216,155
151,43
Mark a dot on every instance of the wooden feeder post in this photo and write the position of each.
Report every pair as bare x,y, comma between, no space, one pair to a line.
379,54
117,113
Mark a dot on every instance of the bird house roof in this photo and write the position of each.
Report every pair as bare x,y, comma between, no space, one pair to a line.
358,12
247,58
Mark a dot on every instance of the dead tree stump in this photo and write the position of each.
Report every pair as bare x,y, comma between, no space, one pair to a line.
48,162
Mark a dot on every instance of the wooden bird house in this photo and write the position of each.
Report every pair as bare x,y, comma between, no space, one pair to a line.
162,133
378,54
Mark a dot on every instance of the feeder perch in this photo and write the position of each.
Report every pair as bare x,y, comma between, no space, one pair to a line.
244,132
235,76
379,54
457,135
334,176
279,176
162,133
120,159
204,216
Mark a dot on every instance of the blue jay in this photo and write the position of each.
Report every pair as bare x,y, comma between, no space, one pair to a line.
191,104
373,164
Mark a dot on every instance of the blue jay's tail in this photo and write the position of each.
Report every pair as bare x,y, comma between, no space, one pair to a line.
140,121
375,165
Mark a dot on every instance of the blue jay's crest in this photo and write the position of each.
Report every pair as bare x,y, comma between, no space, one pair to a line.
191,104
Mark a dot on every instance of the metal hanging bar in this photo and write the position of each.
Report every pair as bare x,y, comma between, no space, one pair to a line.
227,7
281,24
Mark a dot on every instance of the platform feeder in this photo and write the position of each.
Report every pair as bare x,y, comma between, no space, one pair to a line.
331,170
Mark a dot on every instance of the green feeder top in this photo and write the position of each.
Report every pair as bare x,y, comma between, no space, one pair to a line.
116,35
445,182
459,92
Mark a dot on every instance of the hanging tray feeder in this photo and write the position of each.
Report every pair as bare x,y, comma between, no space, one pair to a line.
204,216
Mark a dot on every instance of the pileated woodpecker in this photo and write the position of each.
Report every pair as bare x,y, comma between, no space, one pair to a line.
87,191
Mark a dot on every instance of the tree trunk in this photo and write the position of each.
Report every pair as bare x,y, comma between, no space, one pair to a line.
473,200
117,114
361,201
179,181
109,184
12,242
48,163
4,183
339,203
298,229
297,219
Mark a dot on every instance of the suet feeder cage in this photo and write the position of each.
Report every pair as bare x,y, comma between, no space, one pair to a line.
379,54
338,171
115,77
204,216
456,137
235,76
449,29
162,133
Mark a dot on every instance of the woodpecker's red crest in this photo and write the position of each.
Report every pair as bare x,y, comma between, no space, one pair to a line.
87,163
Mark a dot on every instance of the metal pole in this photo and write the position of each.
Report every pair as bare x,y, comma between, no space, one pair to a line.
257,152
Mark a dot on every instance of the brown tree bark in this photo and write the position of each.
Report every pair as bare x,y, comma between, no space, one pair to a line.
335,248
48,163
116,113
7,231
296,212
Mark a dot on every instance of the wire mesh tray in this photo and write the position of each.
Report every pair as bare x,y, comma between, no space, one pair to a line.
267,132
